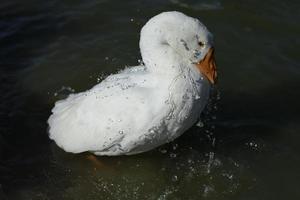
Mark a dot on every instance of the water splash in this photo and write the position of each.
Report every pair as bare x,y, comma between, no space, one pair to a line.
63,92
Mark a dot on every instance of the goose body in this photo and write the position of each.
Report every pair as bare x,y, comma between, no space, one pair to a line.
144,106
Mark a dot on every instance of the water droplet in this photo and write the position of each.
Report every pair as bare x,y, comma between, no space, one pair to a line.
140,62
213,142
197,97
218,96
200,124
175,146
173,155
174,178
207,189
163,151
152,131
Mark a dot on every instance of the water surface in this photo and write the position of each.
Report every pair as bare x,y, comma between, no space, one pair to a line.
248,147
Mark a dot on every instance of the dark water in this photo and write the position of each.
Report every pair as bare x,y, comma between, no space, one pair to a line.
249,145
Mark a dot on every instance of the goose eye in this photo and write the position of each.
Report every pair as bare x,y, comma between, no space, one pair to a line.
201,44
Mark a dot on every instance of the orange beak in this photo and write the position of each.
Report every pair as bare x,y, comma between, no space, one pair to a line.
207,66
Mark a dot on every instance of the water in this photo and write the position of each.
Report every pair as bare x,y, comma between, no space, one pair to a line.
247,147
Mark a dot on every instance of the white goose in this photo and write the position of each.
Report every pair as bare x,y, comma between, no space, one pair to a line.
144,106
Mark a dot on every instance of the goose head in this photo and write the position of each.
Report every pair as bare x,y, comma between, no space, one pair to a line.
174,39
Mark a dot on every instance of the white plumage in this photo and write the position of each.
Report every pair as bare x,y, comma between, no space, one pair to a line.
145,106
